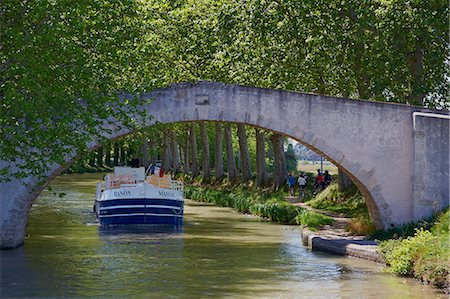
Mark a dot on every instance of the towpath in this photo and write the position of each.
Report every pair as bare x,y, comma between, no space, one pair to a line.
335,238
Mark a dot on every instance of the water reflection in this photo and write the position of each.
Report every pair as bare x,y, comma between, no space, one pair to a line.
217,253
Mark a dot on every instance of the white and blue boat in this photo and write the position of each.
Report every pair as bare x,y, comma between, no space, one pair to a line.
129,197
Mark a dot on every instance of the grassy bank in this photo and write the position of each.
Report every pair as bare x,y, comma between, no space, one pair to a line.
424,255
420,250
350,203
262,203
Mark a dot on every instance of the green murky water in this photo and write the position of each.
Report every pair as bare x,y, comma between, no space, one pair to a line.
219,253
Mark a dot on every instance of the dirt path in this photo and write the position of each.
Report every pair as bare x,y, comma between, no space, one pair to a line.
335,238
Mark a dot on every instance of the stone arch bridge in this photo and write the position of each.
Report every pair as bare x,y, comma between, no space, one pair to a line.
397,155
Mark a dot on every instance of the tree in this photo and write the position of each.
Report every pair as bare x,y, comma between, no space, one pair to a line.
244,153
166,154
62,68
261,173
291,159
193,150
218,159
174,152
280,170
100,157
231,164
187,167
206,170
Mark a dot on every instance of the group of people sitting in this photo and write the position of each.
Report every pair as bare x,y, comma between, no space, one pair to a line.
322,181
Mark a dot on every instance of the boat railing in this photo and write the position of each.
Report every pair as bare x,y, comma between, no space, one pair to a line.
116,181
177,185
164,182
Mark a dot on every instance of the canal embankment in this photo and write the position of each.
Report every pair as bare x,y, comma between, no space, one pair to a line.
336,239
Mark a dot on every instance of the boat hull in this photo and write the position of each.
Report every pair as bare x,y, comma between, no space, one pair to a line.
133,206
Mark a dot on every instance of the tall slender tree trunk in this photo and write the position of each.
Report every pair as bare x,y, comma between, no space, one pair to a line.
123,156
174,153
284,170
166,161
278,151
92,159
261,173
108,155
100,157
194,153
416,67
218,159
144,151
187,165
244,153
231,164
116,154
206,170
180,156
153,147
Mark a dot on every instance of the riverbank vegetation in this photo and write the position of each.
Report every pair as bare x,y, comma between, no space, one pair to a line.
258,202
425,254
349,202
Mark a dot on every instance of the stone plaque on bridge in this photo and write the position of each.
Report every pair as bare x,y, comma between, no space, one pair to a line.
201,100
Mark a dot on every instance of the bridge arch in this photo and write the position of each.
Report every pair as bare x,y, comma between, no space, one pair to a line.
372,142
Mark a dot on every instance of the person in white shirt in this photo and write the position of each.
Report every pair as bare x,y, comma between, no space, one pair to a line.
302,184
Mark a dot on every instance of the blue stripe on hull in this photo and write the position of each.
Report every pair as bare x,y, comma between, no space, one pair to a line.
147,210
141,201
141,219
140,211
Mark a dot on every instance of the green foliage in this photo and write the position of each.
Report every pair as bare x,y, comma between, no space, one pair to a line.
409,229
276,211
350,202
247,200
312,219
62,67
63,64
291,159
424,255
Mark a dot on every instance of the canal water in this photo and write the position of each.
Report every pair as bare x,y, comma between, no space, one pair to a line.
219,253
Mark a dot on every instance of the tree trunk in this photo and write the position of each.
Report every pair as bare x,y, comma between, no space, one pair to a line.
152,142
278,151
416,66
206,170
108,155
116,154
174,153
244,153
218,160
187,165
144,152
194,154
166,161
231,165
284,170
344,181
180,156
92,159
261,173
123,157
100,157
